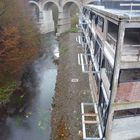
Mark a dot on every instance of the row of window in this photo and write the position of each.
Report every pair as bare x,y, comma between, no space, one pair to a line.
132,35
96,19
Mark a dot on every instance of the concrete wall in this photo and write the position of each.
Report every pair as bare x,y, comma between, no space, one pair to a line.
47,23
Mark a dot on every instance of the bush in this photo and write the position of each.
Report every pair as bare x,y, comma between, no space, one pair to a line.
73,30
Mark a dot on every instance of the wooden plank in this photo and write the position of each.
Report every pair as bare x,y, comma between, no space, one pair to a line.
89,114
90,122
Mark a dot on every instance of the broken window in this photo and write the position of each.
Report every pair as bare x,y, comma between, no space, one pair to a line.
108,68
131,48
129,75
112,34
98,51
84,11
100,23
103,108
126,113
132,36
92,16
84,25
90,34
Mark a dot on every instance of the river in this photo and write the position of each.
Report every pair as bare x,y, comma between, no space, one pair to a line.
35,123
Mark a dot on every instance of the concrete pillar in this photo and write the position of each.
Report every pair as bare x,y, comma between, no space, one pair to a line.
46,22
64,23
115,79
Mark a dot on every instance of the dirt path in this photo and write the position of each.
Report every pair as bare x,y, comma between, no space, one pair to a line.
66,114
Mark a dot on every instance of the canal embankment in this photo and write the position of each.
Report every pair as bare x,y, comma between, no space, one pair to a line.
66,113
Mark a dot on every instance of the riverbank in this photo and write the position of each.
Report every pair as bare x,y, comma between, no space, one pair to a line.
12,68
39,78
66,114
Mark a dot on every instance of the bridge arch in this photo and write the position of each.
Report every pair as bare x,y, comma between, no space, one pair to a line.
49,3
67,7
35,3
52,8
70,8
35,10
68,3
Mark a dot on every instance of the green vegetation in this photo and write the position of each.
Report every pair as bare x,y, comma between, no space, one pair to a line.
20,100
5,92
74,21
73,30
19,41
63,50
18,120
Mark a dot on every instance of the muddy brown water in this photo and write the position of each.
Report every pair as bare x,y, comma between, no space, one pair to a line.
35,123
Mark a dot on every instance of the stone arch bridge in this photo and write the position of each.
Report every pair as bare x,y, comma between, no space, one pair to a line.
45,13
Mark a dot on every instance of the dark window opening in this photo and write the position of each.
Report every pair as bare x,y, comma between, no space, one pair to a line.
84,25
98,51
90,34
96,20
97,81
84,11
126,113
132,36
113,29
88,53
129,75
100,23
112,34
83,37
103,109
108,68
92,16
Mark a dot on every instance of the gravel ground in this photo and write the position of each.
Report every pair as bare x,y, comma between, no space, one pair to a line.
66,114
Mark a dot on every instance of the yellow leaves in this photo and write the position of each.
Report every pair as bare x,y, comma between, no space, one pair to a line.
10,36
10,30
10,43
18,38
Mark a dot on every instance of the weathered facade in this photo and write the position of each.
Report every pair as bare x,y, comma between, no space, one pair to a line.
110,38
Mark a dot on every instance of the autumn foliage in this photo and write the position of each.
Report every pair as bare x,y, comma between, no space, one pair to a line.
19,39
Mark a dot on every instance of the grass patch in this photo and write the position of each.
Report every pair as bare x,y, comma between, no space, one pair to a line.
73,30
18,120
63,50
5,92
20,100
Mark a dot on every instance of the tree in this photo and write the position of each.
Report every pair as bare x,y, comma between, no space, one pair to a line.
19,38
3,7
